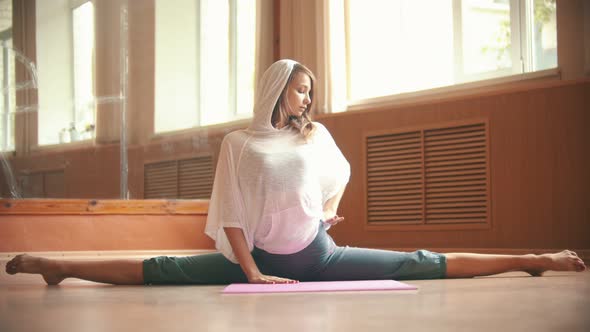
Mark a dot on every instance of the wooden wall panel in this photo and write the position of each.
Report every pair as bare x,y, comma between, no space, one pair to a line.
142,66
107,63
80,225
24,40
26,233
539,160
572,37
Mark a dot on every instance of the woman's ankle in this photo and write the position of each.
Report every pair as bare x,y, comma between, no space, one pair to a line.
55,266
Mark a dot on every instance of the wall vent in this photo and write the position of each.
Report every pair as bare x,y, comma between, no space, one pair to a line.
394,177
41,184
456,167
184,179
428,176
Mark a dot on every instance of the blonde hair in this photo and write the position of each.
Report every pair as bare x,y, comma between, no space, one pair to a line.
280,114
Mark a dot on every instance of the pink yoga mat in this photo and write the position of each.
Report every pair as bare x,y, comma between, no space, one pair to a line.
319,286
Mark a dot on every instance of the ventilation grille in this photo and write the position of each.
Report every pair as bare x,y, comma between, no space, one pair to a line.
430,176
185,179
456,174
394,177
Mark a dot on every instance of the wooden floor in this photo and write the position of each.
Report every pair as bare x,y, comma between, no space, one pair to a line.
507,302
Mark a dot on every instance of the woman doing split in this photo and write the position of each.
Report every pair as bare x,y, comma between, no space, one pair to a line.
276,192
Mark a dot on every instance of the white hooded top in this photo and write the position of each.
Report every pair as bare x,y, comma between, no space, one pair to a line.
270,182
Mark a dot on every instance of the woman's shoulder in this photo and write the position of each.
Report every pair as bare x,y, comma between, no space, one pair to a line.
320,127
321,130
236,137
234,141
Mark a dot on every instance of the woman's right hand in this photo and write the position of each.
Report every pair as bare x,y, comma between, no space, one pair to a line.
265,279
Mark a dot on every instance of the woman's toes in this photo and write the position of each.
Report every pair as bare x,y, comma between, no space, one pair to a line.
11,266
24,264
579,264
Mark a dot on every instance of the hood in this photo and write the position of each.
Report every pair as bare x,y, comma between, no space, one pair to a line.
268,91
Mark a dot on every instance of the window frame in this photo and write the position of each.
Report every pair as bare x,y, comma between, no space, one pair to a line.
522,62
75,4
234,116
5,36
70,6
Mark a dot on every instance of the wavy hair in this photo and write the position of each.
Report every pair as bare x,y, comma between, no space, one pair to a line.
280,115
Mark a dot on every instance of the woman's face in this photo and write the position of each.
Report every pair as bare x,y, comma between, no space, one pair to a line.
298,98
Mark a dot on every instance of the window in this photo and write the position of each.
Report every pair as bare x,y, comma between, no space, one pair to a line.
83,56
7,78
425,44
8,95
204,62
65,55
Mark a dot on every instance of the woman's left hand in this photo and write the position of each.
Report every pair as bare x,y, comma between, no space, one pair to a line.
334,220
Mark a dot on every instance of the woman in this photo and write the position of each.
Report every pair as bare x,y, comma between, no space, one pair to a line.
275,183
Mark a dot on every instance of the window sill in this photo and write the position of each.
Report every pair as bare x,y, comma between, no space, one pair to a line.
63,146
459,90
219,128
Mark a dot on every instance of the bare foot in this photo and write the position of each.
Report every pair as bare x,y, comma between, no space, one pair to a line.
560,261
36,265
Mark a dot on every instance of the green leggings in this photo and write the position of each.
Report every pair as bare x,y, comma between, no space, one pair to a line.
322,260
